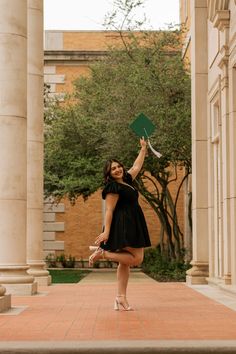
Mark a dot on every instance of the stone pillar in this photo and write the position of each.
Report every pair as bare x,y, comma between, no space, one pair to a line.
187,210
232,148
221,22
13,163
199,271
35,144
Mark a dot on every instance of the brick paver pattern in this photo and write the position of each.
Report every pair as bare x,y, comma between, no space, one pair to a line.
84,311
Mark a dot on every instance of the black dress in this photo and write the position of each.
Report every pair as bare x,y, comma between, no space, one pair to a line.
128,227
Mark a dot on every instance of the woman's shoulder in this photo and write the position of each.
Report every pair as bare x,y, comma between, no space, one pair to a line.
111,187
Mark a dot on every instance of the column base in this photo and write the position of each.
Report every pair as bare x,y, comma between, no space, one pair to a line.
44,281
230,289
40,274
5,302
16,280
219,282
227,279
214,281
198,273
22,289
195,280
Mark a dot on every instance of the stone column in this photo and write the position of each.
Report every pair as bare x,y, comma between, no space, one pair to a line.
35,144
221,22
199,271
232,148
13,164
187,226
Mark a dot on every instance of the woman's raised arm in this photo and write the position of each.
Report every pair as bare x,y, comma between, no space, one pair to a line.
138,163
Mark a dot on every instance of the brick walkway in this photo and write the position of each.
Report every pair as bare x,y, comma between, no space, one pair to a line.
84,311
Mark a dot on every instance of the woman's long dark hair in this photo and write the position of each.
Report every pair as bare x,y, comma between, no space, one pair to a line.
107,170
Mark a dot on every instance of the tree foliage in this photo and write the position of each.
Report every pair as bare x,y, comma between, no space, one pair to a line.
146,75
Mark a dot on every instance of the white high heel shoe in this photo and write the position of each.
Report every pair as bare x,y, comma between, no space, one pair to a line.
97,254
124,304
93,248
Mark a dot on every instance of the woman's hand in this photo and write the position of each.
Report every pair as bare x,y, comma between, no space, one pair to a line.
103,237
138,163
143,143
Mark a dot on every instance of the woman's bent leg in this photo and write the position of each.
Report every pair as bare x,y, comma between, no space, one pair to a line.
128,256
124,257
137,254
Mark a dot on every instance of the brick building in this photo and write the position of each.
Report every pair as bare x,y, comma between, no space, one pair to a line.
67,56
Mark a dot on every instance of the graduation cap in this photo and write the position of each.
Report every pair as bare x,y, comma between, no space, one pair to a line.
143,127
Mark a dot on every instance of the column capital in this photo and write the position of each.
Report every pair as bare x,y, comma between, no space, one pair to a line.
224,51
221,19
223,65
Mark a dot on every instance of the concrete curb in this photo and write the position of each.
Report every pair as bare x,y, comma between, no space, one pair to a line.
119,347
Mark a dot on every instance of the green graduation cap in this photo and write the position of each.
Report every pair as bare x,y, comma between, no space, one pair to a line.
142,126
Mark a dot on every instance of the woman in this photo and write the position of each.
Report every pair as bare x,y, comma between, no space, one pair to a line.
125,232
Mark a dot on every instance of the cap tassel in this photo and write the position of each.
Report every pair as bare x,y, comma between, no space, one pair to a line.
156,153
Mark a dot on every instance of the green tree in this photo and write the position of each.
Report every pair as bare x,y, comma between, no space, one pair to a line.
146,75
72,161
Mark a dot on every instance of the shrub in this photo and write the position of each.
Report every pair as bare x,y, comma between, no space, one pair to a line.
67,261
51,260
55,261
160,268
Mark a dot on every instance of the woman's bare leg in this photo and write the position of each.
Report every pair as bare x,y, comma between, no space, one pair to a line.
122,278
126,258
137,253
129,256
123,257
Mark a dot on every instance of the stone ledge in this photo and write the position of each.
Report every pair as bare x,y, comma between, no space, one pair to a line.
22,289
120,347
229,289
54,226
44,281
54,78
49,236
49,217
14,311
49,69
53,245
54,208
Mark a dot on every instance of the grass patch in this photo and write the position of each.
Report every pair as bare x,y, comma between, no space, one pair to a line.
67,275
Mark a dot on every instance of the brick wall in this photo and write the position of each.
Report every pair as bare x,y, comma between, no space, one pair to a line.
83,221
70,73
90,40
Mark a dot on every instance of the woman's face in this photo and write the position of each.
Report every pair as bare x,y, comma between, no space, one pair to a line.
117,171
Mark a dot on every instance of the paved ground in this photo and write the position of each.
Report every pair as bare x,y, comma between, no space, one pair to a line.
84,312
